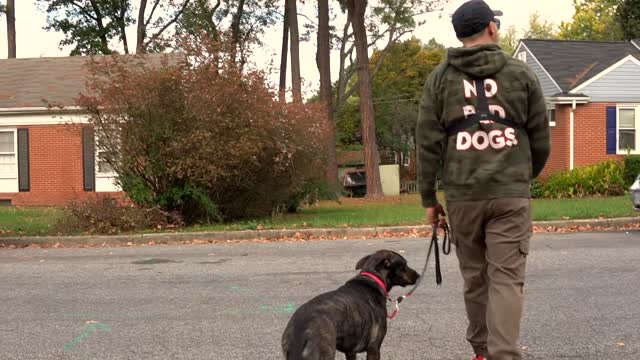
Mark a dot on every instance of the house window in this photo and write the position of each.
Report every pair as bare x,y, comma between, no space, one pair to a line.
105,175
406,160
522,55
627,124
551,114
8,157
103,166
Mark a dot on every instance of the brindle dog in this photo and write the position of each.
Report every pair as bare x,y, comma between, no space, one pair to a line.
351,319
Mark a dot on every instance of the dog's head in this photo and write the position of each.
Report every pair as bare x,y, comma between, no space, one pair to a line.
390,266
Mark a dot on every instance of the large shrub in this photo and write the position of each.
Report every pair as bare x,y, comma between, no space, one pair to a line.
631,168
105,215
603,179
202,136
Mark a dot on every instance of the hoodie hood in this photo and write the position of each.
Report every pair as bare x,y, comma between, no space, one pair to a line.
480,61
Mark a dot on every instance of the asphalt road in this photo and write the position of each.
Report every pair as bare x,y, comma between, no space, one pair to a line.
232,302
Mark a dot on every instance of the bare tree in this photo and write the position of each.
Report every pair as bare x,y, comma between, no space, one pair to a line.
11,28
390,21
235,29
284,55
323,61
144,41
296,79
356,10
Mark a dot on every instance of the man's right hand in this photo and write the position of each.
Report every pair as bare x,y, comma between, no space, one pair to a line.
437,215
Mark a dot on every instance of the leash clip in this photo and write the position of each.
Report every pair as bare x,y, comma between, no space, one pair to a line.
396,307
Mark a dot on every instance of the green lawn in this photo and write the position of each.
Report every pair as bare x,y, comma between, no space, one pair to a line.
406,210
27,220
402,210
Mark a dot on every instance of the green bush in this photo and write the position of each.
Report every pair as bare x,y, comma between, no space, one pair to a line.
603,179
631,168
537,189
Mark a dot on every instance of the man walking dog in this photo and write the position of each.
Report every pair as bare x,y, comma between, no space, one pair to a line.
483,120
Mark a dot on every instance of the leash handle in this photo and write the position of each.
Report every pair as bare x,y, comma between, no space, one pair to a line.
434,240
446,241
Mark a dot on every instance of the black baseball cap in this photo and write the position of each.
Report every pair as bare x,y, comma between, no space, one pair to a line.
473,17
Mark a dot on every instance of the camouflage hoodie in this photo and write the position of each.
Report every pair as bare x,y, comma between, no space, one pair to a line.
487,160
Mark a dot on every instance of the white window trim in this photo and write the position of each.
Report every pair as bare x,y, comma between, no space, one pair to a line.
522,55
635,107
13,175
99,174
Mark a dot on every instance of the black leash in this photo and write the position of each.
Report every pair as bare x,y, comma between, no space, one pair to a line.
446,249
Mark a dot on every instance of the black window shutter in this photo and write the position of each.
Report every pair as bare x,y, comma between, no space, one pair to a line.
23,160
88,159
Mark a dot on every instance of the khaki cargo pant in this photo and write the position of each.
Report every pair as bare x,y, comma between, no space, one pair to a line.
492,242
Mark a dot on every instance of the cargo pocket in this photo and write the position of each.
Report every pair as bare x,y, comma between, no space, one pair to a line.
524,246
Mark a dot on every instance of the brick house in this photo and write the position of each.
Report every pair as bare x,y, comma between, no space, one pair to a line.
47,151
593,98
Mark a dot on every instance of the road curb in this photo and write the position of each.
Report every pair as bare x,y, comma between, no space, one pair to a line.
247,235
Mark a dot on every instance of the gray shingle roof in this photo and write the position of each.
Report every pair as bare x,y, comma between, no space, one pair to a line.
39,82
570,63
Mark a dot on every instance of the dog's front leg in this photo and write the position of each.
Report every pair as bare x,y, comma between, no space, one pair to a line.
351,356
373,354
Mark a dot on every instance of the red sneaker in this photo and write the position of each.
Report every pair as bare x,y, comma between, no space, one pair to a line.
479,357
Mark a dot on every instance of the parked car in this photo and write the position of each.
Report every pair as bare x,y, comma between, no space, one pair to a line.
355,182
635,193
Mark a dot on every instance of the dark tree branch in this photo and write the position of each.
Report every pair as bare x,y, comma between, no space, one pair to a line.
153,10
84,11
102,32
169,23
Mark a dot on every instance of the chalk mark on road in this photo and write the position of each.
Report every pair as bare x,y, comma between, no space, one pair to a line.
92,326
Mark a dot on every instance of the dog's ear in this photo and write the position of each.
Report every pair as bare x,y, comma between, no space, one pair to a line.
360,263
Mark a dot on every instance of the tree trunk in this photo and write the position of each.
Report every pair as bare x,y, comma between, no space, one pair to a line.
323,60
357,10
122,26
102,32
296,79
11,28
141,33
283,56
235,28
